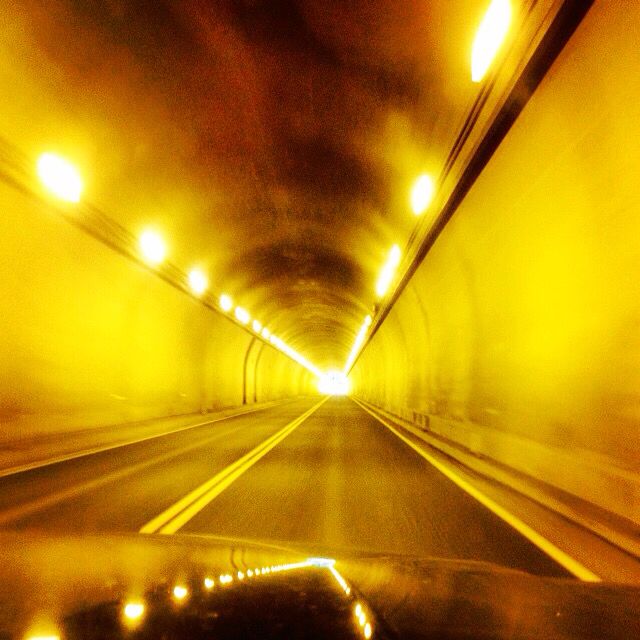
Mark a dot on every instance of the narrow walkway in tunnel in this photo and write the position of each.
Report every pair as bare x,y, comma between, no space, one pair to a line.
337,479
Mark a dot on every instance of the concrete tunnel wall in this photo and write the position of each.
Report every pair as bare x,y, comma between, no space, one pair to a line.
89,338
518,337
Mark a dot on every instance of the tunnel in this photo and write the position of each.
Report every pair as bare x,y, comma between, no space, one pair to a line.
270,195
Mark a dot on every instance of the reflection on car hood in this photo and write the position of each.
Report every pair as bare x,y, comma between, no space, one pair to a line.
139,587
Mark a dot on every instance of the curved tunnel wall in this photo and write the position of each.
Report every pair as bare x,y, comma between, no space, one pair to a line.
519,335
90,338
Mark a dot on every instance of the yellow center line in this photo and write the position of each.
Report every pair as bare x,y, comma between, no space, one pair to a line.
178,514
554,552
65,457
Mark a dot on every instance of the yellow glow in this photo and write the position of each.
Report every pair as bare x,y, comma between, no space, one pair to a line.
180,592
489,37
257,326
362,618
357,343
60,177
367,631
358,609
152,247
340,580
240,575
209,583
133,610
421,194
226,579
51,637
250,573
242,315
226,302
265,333
334,383
198,281
388,271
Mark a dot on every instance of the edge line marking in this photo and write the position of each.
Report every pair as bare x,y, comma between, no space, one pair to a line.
554,552
179,513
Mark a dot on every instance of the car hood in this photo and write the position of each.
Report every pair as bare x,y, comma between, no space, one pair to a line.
174,587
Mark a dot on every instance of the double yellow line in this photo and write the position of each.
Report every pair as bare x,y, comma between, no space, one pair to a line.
178,514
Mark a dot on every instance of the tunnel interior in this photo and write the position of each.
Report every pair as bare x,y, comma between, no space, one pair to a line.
274,147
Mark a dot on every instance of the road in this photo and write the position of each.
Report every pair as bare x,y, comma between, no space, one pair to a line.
333,476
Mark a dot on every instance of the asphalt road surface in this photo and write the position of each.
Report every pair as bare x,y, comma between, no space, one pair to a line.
334,477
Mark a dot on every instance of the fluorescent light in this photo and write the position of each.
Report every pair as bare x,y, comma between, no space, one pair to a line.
198,281
60,177
152,247
422,194
388,271
242,315
357,343
489,37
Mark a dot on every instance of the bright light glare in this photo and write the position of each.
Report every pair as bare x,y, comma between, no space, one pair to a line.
180,592
367,631
334,383
421,194
357,343
152,246
321,562
60,177
489,37
242,315
208,583
198,281
226,302
388,271
266,333
133,610
257,326
293,354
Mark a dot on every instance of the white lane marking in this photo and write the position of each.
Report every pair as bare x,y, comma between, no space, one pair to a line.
9,471
178,514
554,552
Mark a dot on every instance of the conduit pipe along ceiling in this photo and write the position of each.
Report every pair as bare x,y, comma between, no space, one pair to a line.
283,155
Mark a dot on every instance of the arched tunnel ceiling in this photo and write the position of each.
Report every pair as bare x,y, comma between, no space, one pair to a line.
273,142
